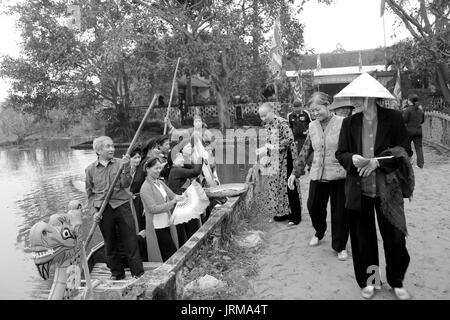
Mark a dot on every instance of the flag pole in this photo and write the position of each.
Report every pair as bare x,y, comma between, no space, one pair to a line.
384,38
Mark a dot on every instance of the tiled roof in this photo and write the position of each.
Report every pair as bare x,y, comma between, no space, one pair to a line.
369,57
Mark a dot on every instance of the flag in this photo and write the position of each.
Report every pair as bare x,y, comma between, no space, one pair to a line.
298,87
318,64
360,62
276,50
398,88
382,7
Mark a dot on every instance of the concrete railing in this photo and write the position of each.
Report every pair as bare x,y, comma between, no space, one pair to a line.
436,129
166,281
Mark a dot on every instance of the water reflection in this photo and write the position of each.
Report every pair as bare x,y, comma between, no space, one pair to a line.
36,183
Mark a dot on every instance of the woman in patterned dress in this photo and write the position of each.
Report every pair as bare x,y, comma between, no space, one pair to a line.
283,203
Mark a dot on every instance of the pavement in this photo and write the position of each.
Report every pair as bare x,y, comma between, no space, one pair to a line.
290,269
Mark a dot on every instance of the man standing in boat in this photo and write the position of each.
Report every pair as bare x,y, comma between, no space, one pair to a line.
117,218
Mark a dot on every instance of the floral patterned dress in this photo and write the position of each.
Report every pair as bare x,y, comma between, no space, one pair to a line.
275,173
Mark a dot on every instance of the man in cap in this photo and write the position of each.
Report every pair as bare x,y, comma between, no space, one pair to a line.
373,183
299,120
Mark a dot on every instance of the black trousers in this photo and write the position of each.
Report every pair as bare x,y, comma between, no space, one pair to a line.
299,141
417,140
319,192
186,230
363,237
293,196
165,242
117,228
140,216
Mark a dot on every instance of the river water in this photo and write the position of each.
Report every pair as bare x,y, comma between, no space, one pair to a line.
36,182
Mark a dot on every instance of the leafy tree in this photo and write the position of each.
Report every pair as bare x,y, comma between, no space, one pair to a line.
13,123
224,39
111,57
428,23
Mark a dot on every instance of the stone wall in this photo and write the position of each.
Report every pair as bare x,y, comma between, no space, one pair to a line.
436,129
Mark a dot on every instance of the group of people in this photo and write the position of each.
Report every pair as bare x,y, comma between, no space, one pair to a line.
360,162
358,157
136,224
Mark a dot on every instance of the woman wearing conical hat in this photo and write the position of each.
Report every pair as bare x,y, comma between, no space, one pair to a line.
373,150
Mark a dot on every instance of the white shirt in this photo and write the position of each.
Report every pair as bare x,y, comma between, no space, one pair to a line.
161,220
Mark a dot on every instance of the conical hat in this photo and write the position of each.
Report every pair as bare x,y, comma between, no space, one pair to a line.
365,86
339,103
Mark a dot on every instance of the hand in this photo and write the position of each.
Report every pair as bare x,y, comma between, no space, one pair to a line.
97,217
368,168
359,161
261,151
142,233
291,181
269,146
178,198
125,159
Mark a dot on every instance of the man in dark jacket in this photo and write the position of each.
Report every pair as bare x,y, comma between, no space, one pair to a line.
413,116
299,120
366,134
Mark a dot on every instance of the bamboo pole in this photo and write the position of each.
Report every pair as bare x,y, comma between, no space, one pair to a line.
111,187
171,95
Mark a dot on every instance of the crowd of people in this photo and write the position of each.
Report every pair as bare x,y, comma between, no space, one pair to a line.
357,155
136,224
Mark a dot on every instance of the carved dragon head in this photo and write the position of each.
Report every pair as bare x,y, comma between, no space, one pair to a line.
53,242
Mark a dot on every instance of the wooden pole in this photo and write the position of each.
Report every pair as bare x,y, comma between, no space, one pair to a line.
111,187
171,94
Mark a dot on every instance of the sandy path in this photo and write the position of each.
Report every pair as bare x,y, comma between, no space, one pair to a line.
290,269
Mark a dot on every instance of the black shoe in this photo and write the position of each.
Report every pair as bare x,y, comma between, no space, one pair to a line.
281,218
119,277
294,222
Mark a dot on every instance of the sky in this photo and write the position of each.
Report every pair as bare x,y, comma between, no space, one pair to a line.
355,24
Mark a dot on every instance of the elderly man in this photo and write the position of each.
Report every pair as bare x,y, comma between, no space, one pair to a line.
278,153
372,148
117,219
299,120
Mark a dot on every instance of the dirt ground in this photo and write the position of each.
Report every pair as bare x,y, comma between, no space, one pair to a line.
289,269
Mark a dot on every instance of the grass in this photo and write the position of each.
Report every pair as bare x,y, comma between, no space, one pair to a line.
227,262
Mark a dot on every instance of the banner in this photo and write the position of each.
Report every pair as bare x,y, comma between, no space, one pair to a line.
298,87
382,7
276,50
398,88
360,62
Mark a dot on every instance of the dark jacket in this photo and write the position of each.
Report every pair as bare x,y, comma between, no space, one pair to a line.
395,186
178,177
413,117
391,132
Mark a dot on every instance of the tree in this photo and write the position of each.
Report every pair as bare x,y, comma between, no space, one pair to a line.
428,23
224,39
111,57
17,124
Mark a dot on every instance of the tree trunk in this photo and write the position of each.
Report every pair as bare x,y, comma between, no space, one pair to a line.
443,78
222,110
221,95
